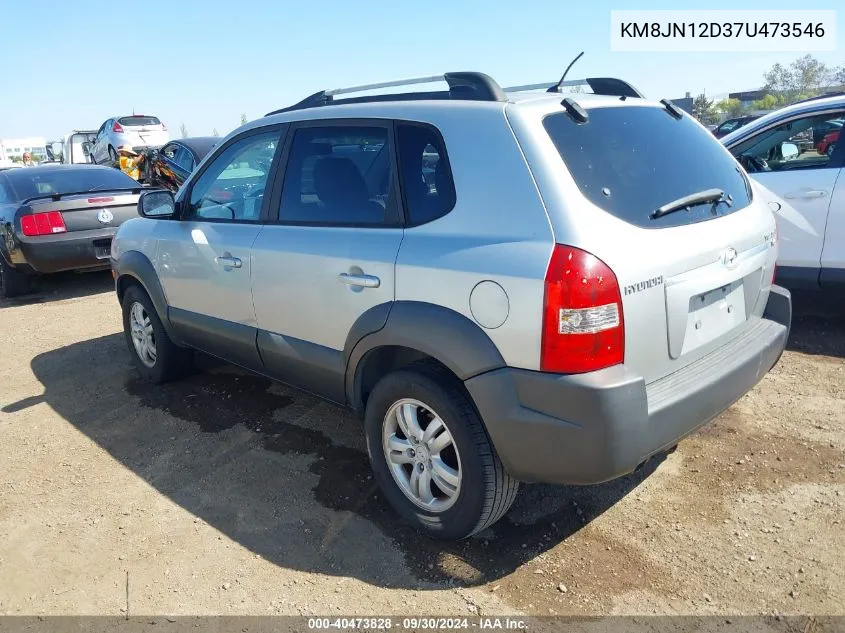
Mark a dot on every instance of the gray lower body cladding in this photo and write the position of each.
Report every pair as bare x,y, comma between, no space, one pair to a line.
590,428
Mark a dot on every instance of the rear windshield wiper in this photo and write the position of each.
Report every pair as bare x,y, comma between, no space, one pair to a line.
702,197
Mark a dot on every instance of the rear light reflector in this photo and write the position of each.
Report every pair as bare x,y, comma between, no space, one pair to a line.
43,224
117,127
583,324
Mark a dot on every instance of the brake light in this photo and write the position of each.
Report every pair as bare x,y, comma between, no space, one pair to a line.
583,325
117,127
46,223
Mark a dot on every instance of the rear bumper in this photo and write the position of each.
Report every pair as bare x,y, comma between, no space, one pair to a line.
589,428
76,250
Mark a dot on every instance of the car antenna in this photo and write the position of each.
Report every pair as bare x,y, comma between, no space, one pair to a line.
556,87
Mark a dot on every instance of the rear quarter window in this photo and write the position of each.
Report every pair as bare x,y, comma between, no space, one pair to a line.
630,160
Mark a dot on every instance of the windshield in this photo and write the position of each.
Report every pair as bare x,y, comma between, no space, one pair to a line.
28,183
631,160
138,120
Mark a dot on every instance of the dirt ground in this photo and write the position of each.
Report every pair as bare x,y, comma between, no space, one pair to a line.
227,494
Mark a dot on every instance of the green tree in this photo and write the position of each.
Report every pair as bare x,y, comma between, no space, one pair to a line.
767,102
184,130
703,110
243,119
730,107
805,77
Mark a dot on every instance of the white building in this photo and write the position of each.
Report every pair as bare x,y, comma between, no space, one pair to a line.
15,147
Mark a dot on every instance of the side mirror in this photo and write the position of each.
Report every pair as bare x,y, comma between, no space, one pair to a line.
156,204
789,151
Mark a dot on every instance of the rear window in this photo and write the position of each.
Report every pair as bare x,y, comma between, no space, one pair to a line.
30,182
631,160
138,121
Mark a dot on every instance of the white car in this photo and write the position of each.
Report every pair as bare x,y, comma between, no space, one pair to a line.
806,189
138,131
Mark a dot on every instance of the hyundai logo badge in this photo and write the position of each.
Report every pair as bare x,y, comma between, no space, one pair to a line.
105,216
729,257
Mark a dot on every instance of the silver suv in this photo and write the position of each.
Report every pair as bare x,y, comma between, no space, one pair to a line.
507,285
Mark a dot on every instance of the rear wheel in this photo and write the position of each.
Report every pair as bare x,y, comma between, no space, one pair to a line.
431,455
13,282
157,358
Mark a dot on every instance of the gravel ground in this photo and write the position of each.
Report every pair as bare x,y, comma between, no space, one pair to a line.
227,494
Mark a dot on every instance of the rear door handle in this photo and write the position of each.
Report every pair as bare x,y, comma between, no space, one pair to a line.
362,281
807,194
227,261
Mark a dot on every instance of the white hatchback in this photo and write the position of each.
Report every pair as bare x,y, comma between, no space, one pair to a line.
138,131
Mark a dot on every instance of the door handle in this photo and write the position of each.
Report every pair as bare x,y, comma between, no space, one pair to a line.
808,194
227,261
362,281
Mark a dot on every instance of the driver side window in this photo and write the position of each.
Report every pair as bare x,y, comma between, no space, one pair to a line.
232,186
805,143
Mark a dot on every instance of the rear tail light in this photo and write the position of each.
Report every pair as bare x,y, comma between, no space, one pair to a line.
117,127
43,224
583,325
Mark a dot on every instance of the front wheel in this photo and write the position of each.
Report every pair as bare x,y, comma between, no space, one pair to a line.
157,358
431,455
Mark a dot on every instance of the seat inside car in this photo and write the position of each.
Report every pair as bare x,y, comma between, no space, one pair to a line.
343,192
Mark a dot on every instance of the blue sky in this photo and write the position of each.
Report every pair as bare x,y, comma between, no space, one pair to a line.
73,64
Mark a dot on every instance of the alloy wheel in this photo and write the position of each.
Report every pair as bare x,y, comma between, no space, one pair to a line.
422,455
143,336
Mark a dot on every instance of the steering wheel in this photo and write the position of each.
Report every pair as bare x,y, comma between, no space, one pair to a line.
754,164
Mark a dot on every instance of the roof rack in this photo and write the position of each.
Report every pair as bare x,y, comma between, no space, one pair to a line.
599,85
466,86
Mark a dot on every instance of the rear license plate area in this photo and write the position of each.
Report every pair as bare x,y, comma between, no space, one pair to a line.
102,248
714,313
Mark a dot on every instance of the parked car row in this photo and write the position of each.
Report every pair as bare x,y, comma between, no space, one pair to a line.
559,314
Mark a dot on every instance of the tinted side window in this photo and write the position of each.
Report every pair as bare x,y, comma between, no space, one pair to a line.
426,177
339,175
630,160
232,187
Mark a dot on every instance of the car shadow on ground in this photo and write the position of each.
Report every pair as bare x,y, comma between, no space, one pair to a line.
259,462
69,285
818,323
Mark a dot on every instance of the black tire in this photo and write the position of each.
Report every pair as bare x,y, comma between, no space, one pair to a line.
486,490
13,283
171,361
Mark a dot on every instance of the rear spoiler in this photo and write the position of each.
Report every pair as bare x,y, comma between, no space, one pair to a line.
55,197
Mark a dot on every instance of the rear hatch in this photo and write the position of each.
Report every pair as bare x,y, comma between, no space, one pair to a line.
149,130
691,277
